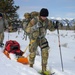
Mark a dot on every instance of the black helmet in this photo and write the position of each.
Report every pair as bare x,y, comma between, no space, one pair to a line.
44,12
1,15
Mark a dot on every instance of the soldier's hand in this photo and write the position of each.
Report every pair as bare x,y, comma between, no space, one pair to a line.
57,24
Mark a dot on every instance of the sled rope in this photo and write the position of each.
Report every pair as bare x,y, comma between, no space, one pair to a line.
32,41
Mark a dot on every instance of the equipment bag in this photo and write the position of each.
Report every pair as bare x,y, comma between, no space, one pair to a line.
13,46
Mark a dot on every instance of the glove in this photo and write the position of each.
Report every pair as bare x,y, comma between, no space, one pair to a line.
57,24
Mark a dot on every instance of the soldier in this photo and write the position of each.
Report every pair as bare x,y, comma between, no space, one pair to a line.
37,29
3,26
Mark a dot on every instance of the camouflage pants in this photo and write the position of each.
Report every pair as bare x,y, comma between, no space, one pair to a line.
1,37
43,44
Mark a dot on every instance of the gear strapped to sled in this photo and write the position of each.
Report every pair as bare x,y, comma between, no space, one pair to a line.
13,47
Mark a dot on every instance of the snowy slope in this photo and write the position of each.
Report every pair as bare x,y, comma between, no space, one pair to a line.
67,41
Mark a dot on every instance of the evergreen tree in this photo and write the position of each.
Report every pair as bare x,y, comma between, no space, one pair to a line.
8,9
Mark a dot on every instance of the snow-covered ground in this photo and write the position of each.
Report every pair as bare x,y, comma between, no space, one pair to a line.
67,41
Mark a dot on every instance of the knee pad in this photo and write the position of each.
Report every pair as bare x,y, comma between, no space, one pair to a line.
44,45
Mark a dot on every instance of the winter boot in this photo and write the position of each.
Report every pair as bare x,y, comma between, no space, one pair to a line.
43,68
1,44
31,65
46,73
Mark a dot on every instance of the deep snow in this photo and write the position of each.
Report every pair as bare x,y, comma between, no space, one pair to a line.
67,41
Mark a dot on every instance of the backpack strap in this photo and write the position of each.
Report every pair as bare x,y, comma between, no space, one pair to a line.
35,19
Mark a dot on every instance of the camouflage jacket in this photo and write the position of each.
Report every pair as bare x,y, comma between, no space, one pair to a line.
37,28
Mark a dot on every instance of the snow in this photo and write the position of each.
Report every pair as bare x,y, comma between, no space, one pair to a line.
67,42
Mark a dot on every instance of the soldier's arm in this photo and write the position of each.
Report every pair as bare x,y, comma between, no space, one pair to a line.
51,26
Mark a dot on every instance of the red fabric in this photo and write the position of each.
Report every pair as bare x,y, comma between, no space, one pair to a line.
13,46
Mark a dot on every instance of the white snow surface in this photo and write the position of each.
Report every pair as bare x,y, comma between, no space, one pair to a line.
67,47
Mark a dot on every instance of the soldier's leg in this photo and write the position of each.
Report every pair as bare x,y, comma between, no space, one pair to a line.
44,53
44,59
32,50
1,38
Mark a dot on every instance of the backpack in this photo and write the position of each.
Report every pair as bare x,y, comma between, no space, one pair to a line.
13,46
28,18
25,24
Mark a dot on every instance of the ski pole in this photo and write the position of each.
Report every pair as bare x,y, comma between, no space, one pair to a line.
59,46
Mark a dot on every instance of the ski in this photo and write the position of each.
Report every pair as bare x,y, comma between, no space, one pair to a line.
46,73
